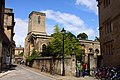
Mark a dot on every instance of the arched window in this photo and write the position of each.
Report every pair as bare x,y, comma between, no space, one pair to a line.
91,50
83,45
97,51
39,19
43,48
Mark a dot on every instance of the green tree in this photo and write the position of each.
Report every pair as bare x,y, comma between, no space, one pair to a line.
54,48
82,36
21,54
30,58
34,55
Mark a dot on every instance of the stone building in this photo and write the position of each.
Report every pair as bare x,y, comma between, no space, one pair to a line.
18,56
9,31
2,6
5,41
91,52
109,28
36,38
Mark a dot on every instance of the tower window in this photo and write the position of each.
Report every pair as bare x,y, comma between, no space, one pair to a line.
106,3
39,19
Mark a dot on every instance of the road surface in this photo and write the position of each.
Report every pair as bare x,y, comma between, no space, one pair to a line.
21,73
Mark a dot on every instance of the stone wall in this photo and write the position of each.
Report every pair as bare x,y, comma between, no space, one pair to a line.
70,66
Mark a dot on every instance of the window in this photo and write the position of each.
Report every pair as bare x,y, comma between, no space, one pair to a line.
106,3
43,48
39,19
108,27
5,20
83,46
91,50
97,51
108,48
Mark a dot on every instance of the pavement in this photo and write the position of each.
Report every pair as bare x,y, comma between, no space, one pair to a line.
4,73
56,77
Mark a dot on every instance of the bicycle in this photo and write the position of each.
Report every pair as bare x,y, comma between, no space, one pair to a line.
52,72
44,68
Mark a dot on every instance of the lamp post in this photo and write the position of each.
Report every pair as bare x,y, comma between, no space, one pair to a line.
63,67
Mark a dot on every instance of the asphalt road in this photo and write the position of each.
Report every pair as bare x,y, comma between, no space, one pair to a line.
24,74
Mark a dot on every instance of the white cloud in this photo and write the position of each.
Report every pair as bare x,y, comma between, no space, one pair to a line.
49,29
89,4
70,22
21,28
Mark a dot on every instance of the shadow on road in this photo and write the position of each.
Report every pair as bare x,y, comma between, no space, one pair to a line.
10,67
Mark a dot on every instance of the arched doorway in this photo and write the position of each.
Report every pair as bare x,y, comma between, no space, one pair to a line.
98,57
43,49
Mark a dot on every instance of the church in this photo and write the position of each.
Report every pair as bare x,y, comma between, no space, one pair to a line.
36,38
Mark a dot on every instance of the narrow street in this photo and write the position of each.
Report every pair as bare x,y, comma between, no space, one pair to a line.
21,73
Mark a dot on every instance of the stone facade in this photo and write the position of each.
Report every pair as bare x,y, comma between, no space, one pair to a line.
109,22
91,52
9,31
37,23
36,38
5,43
2,6
18,57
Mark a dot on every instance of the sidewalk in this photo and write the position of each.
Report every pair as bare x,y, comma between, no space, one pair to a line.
58,77
4,73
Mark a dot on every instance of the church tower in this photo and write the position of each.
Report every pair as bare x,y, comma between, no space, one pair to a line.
37,21
37,38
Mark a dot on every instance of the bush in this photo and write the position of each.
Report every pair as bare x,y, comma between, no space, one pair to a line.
34,55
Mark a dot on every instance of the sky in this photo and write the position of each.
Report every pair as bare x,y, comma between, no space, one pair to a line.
76,16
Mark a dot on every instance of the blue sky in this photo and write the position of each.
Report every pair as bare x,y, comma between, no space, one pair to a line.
76,16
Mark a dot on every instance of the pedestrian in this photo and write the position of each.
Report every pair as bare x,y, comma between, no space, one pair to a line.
78,69
83,69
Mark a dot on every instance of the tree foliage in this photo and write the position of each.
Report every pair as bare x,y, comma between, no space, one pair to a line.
21,54
55,46
34,55
82,36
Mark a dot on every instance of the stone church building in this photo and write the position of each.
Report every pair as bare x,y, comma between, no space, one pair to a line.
36,37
